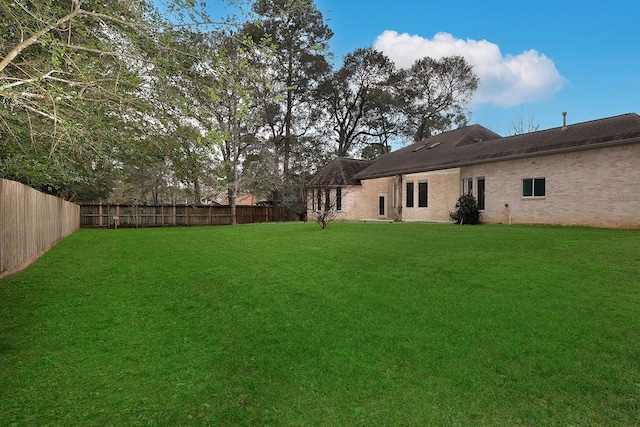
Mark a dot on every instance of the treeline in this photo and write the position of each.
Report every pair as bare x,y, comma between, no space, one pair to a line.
158,102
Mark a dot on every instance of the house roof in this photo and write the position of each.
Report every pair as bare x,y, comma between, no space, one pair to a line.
338,172
476,144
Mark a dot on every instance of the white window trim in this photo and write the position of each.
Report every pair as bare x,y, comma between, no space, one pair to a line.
423,181
533,186
386,208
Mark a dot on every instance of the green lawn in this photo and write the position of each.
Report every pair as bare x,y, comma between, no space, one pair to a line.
358,324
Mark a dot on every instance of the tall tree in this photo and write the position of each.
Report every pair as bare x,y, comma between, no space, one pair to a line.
299,35
236,76
435,95
182,109
355,97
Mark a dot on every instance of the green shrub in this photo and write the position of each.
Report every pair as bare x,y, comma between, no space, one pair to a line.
467,211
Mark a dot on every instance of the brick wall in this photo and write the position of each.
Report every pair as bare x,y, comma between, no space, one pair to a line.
362,202
596,188
443,192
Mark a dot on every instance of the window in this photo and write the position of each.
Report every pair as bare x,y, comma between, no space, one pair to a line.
381,205
481,194
394,202
327,199
422,194
313,201
319,199
466,186
533,187
339,199
409,194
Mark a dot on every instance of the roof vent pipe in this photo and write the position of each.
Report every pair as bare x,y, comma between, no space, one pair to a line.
564,120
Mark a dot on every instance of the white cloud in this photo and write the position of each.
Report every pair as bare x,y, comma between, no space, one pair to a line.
505,80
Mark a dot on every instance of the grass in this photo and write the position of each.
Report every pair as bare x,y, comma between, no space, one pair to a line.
358,324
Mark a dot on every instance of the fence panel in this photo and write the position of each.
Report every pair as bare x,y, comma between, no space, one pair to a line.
113,216
31,222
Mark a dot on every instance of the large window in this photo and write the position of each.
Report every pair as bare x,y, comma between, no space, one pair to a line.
423,194
533,187
409,194
327,199
481,194
339,199
319,199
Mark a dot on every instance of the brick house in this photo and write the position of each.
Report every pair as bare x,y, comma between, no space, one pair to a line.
335,185
583,174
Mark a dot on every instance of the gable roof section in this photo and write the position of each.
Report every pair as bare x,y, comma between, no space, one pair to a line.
339,172
476,144
429,153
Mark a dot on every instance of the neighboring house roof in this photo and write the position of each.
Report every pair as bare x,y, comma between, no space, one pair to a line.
243,199
339,172
476,144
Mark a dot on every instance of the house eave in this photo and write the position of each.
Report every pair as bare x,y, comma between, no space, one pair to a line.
358,184
554,151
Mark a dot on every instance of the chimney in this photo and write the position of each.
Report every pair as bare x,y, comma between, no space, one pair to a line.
564,120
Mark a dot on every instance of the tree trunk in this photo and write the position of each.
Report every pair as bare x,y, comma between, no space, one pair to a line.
288,119
196,191
231,195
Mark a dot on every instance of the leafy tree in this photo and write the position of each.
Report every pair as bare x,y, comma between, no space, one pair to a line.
467,211
234,79
384,119
435,94
191,159
355,96
299,36
73,86
182,113
374,150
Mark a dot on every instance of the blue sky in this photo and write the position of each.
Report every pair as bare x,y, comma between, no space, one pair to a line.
593,46
535,59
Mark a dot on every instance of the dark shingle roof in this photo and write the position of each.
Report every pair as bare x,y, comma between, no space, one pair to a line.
476,144
340,171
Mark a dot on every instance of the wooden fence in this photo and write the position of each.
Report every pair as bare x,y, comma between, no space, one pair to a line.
31,222
113,216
